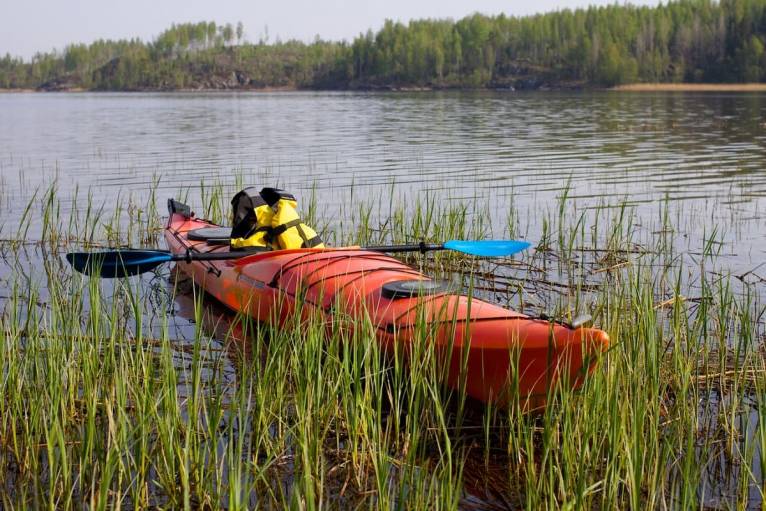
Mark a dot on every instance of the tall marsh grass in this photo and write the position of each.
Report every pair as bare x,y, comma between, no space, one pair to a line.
143,393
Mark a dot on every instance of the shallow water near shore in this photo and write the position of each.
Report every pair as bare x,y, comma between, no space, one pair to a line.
644,209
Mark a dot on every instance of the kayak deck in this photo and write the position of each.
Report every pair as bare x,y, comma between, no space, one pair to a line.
505,349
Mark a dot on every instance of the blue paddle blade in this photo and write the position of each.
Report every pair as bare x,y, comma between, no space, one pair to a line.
487,248
117,263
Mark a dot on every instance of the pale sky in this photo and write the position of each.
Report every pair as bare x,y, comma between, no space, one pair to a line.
29,26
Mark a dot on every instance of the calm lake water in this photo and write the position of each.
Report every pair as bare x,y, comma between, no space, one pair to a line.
705,152
700,157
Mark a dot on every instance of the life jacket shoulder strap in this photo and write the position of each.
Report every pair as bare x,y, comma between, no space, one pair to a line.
298,224
313,242
256,229
283,227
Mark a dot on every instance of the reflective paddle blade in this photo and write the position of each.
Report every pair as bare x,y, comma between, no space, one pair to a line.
117,263
487,248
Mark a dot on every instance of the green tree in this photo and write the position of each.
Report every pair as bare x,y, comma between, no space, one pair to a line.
751,58
228,33
698,40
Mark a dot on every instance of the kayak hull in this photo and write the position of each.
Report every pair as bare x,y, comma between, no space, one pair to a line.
497,355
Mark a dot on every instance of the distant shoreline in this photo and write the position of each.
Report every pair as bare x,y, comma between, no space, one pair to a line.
631,87
139,91
691,87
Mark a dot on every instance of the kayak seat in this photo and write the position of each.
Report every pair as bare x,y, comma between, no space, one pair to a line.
210,235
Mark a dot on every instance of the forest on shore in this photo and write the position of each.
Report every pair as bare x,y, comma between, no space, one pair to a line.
687,41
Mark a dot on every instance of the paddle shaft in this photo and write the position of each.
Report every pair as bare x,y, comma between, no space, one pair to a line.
216,256
219,256
421,247
210,256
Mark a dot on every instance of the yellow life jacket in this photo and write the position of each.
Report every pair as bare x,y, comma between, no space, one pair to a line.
252,218
287,229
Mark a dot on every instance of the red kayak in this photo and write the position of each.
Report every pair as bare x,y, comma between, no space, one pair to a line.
506,349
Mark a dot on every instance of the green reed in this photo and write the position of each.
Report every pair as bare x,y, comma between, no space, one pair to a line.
104,406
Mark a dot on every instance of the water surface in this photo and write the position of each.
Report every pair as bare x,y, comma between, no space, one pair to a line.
697,157
641,146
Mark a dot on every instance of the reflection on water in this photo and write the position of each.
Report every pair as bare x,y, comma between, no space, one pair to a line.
642,146
707,149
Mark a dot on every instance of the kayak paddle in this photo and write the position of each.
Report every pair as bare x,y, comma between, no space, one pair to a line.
124,263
